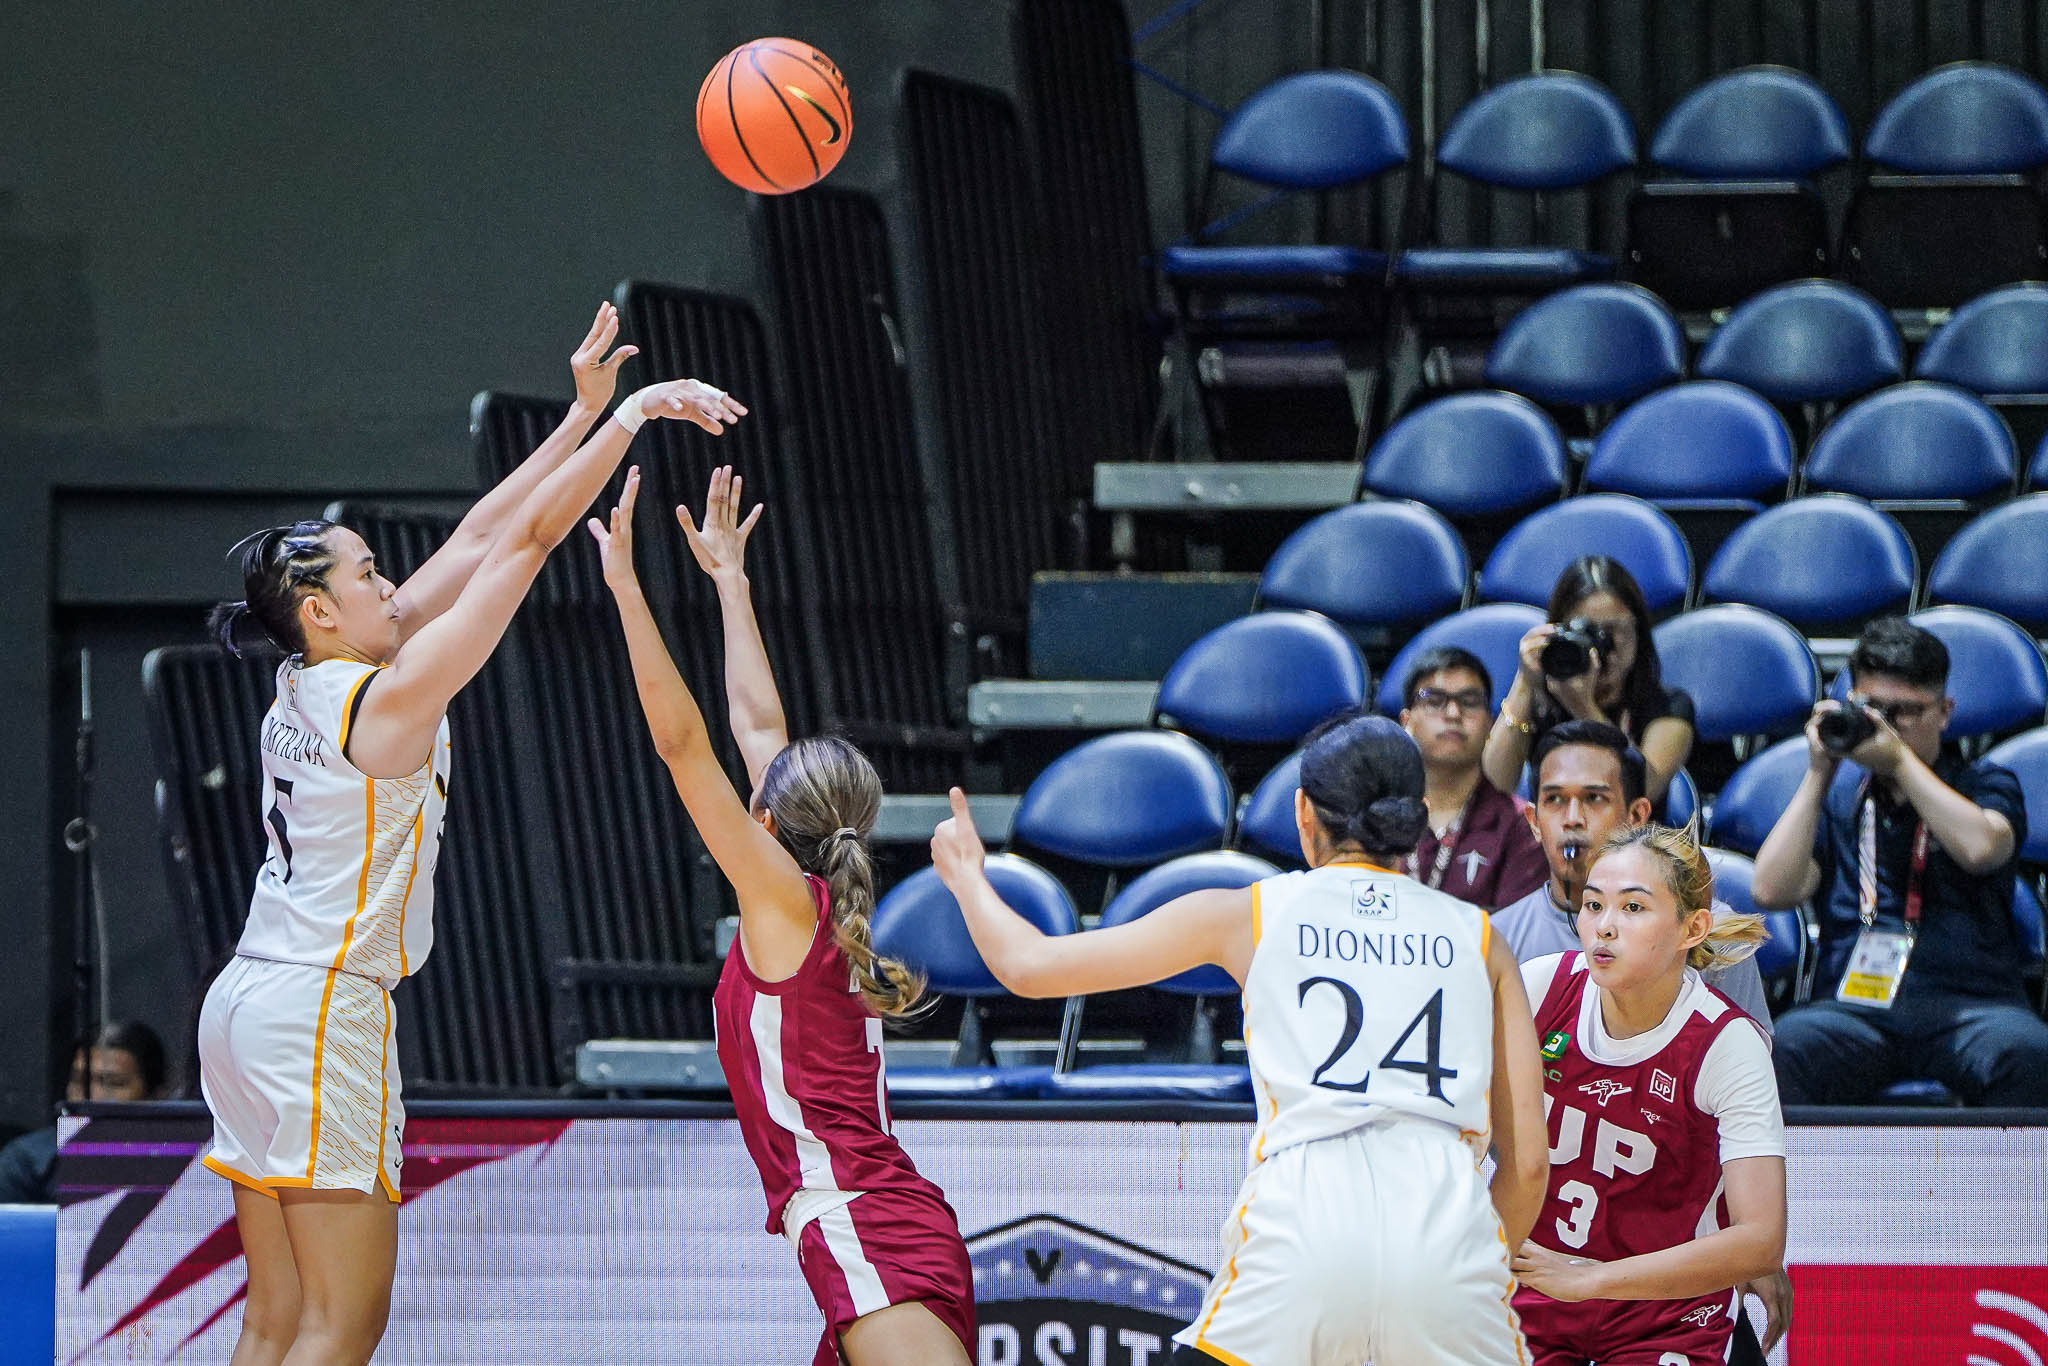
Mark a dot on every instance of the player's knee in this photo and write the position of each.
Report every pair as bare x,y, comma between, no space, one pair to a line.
351,1329
271,1317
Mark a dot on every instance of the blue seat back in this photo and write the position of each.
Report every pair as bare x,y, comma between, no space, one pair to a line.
1381,563
2037,472
1195,873
1127,800
1997,343
1967,118
2027,924
28,1282
2000,562
1757,793
1681,801
1805,341
1589,344
1316,130
1915,440
1268,678
1821,560
920,923
1755,123
1525,566
1493,632
1995,671
1267,822
1706,439
1547,131
1748,672
1470,455
2027,756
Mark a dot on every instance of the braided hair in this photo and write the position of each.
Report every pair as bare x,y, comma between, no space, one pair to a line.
825,797
281,566
1363,776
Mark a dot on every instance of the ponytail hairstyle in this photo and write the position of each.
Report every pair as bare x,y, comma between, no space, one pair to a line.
825,797
1363,776
1690,877
281,566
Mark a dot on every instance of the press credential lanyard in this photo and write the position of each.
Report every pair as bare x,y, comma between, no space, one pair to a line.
1877,964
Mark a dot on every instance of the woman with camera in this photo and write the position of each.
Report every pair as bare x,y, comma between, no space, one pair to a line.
1592,660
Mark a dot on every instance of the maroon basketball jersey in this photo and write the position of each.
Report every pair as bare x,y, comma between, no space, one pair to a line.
803,1058
1635,1164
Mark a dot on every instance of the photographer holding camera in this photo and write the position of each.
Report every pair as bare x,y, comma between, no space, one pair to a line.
1911,870
1593,660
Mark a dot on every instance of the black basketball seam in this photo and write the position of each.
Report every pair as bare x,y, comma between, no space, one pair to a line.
733,115
754,61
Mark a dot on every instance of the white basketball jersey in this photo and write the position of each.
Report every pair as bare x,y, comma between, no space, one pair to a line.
1368,999
349,882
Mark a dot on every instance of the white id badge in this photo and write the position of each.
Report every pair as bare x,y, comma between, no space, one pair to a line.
1877,966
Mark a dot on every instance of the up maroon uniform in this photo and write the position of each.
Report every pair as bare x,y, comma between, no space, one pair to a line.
803,1057
1639,1129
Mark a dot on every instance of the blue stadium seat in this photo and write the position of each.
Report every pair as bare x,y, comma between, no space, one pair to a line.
1741,213
1471,455
1756,794
1681,800
1493,632
1805,342
920,923
1268,678
2027,756
1995,344
1950,208
1525,566
1127,800
1996,674
1781,958
2037,472
1819,562
28,1281
1200,1076
1748,672
1914,440
1999,562
1379,563
1543,132
1266,823
1589,345
1704,441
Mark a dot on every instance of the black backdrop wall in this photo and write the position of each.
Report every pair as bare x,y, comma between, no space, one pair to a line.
250,262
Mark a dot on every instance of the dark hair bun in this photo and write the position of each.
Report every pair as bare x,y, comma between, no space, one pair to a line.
1363,775
1390,823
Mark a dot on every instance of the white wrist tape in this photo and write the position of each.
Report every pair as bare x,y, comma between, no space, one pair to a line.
629,414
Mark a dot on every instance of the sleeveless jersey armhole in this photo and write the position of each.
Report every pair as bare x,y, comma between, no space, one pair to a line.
1560,980
352,708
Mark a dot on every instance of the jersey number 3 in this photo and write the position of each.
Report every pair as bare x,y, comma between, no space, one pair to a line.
1430,1019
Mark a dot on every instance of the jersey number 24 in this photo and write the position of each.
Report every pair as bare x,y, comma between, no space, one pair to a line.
1430,1019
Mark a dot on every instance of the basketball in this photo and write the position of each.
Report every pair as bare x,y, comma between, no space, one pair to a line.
774,115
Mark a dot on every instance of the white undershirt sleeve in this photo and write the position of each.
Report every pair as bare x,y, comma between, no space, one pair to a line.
1738,1088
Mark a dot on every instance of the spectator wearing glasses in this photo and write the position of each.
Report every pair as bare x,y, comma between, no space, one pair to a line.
1477,846
1613,676
1911,869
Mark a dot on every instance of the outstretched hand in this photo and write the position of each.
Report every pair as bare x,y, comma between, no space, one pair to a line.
596,373
720,545
691,400
957,851
615,542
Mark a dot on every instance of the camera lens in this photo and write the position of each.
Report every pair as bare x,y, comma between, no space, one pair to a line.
1569,651
1841,731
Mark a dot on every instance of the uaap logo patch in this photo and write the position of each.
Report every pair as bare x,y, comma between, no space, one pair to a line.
1047,1290
1374,901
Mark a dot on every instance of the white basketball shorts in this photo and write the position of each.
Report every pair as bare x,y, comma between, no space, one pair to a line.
299,1066
1374,1245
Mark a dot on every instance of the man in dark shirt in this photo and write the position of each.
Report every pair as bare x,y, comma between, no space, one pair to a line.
1910,856
1477,847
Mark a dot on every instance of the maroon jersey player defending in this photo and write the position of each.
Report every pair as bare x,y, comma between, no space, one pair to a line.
800,1004
1667,1149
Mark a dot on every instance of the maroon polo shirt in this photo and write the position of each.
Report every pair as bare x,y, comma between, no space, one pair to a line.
1495,858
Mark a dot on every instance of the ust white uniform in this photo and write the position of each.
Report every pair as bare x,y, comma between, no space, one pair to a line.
298,1057
1363,1231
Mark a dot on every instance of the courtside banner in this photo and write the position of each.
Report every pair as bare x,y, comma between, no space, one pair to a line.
640,1241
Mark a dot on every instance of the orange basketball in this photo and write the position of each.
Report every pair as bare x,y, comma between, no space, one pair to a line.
774,115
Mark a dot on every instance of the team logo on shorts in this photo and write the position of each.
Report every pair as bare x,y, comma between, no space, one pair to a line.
1555,1043
1373,901
1046,1289
1703,1315
1663,1085
1605,1089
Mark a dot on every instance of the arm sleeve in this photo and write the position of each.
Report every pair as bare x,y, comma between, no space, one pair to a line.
1997,789
1536,975
1738,1088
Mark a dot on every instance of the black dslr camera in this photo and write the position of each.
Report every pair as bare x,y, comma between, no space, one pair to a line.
1569,651
1841,731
